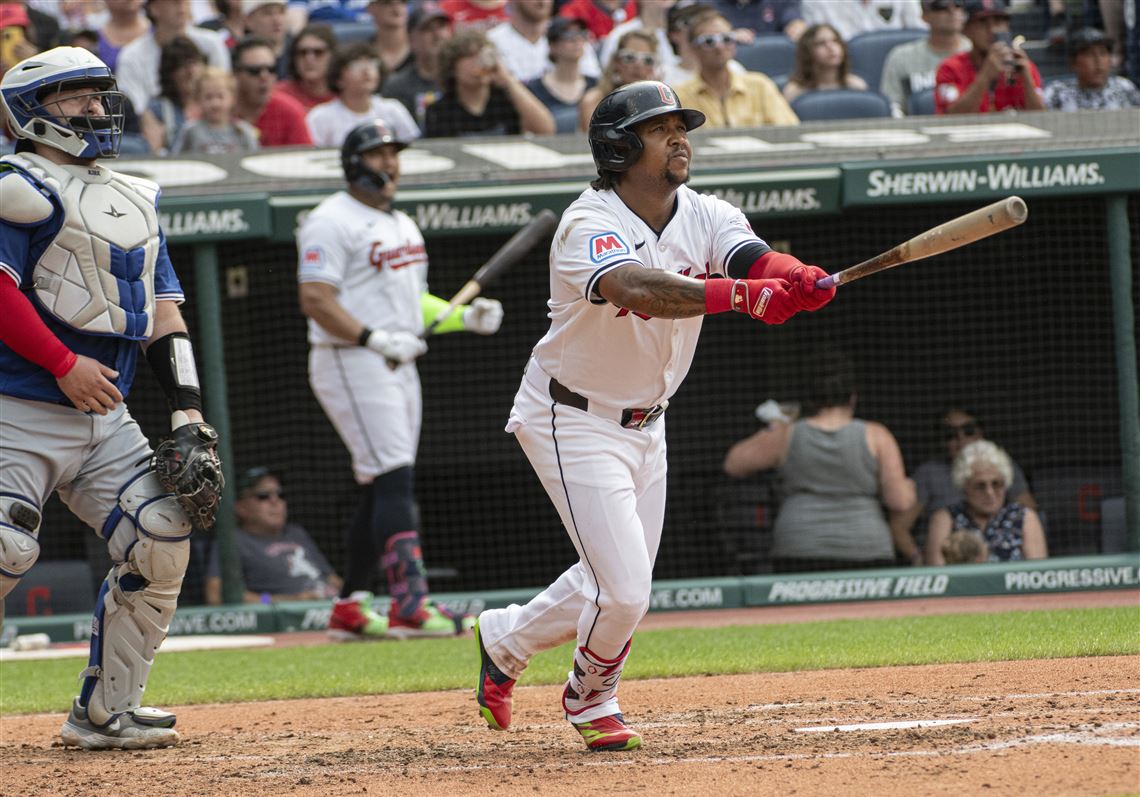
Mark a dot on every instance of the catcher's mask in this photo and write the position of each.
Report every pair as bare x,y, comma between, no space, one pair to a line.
613,143
361,139
25,87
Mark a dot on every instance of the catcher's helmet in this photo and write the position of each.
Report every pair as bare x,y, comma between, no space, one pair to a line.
25,85
362,138
614,144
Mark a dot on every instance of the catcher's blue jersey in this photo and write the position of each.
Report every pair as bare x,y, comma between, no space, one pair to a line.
20,249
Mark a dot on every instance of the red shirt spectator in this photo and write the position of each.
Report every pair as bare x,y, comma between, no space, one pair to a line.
483,14
595,16
282,123
956,74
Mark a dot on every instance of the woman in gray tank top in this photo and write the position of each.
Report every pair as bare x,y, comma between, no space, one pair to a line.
838,471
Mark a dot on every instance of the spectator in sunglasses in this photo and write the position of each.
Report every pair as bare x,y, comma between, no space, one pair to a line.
728,98
982,471
309,56
956,428
821,63
651,18
634,59
279,560
279,119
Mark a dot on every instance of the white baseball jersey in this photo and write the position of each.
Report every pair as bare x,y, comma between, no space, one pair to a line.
610,354
376,259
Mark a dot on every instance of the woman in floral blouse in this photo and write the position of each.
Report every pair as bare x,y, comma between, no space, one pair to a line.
1010,531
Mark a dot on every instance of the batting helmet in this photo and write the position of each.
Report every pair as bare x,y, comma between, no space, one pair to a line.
28,83
361,139
614,144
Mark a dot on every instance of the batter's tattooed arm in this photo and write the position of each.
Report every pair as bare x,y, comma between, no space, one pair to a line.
659,294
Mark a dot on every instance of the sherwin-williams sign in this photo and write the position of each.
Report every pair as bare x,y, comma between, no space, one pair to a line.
1035,175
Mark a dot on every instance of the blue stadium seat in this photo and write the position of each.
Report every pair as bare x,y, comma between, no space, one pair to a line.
921,103
840,104
349,32
867,52
770,53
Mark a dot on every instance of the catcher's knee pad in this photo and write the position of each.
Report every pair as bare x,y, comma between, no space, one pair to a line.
19,546
132,615
145,511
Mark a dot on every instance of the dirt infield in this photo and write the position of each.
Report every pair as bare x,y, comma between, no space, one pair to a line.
1064,727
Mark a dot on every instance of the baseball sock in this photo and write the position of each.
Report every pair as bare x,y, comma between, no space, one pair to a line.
360,569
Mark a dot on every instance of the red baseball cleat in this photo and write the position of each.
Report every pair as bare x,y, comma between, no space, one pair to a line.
608,733
494,690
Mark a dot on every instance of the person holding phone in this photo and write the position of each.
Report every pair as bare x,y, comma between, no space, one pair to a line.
995,74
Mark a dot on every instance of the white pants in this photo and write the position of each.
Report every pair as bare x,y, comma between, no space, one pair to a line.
608,484
375,409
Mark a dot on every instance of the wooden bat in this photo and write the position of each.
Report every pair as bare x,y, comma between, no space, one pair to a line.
514,250
970,227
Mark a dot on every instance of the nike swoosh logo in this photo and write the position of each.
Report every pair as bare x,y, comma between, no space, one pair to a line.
638,246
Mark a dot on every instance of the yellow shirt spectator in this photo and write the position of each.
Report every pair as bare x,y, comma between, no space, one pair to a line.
752,101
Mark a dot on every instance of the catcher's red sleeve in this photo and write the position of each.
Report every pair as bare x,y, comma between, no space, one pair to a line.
24,332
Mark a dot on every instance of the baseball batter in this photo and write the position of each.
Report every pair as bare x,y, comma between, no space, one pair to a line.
363,286
636,262
85,278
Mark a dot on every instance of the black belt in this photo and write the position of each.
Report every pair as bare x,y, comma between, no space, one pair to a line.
633,418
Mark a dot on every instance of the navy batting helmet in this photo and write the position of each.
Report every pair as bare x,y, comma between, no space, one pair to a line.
362,138
614,144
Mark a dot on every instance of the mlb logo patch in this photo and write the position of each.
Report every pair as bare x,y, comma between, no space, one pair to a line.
312,259
606,246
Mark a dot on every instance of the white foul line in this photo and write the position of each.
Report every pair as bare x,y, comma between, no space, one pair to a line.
883,726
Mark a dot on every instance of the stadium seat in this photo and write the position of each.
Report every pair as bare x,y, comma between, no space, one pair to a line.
840,104
349,32
867,52
53,586
921,103
1069,498
772,54
745,511
1113,528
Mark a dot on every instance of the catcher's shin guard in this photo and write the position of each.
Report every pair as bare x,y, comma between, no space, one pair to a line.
150,531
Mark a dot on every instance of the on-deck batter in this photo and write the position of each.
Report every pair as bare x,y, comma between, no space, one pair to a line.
363,285
637,261
85,278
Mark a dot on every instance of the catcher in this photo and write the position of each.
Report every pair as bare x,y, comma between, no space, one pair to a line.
86,285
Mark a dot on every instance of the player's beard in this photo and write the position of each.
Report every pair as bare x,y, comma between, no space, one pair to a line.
673,178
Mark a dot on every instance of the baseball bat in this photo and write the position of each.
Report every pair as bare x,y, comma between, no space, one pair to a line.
514,250
967,228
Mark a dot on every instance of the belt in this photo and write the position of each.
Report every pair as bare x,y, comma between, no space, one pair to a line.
632,418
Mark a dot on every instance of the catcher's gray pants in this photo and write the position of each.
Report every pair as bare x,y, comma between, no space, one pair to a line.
100,466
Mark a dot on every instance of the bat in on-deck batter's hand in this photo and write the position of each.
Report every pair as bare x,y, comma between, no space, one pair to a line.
970,227
514,250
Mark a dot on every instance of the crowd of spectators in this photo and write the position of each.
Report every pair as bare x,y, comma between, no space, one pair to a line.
542,65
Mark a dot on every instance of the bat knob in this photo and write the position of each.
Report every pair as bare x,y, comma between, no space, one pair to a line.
825,283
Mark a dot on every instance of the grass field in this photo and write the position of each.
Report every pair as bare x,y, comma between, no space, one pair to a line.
428,665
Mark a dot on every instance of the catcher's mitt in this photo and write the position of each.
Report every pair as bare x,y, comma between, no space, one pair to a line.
186,463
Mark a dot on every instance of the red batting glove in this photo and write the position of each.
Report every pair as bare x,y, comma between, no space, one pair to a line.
767,300
804,293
